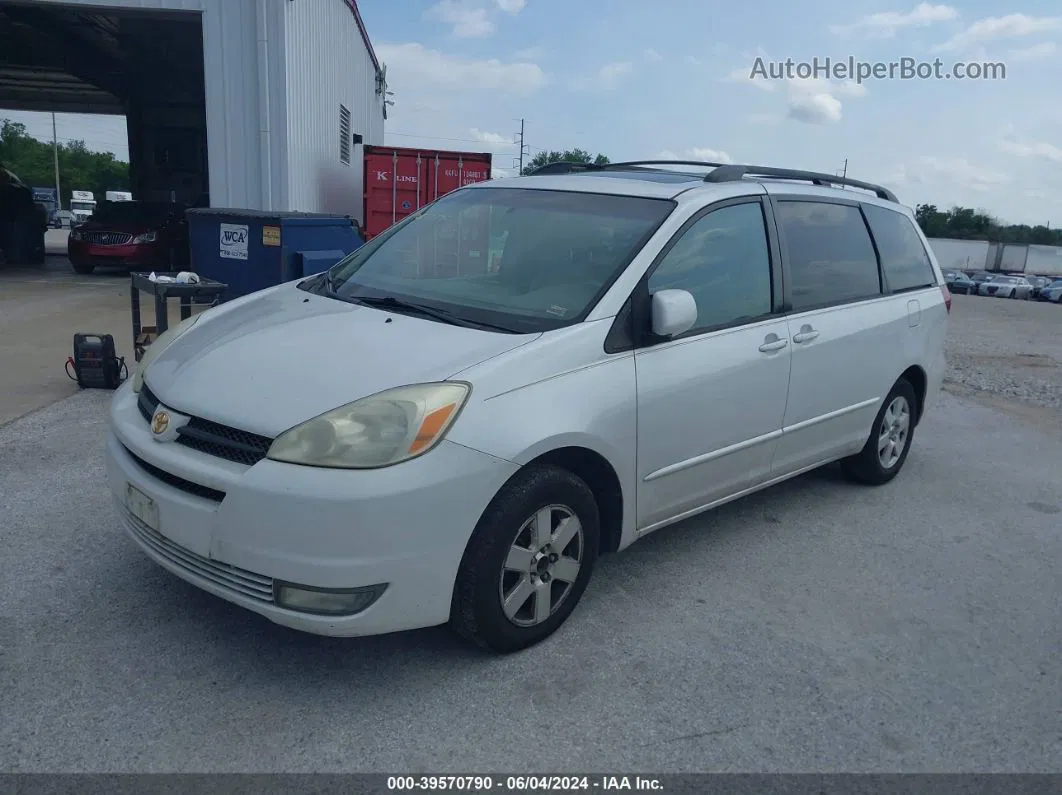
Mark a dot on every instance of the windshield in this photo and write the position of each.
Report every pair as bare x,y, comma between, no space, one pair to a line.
520,260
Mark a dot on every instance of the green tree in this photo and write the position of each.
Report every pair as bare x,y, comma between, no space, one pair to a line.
965,223
79,167
567,156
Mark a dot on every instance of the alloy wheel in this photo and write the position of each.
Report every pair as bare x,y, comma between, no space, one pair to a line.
892,436
542,565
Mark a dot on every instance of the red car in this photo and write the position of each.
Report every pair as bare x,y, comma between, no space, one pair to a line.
131,235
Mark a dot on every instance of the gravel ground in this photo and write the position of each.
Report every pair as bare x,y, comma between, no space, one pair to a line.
1010,349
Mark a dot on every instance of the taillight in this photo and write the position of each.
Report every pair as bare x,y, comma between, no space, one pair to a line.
947,296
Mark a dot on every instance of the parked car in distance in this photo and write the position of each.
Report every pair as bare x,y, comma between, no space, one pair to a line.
977,277
1038,283
380,447
1052,292
1004,286
131,234
959,282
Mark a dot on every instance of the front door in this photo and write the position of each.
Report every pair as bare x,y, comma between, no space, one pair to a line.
711,403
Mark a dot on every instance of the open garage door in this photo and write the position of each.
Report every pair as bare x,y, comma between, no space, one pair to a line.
144,64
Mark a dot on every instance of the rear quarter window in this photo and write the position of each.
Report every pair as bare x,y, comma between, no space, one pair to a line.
830,253
903,257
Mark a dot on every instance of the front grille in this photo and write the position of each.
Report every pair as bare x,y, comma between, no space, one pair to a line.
222,441
232,579
176,481
107,238
212,438
146,402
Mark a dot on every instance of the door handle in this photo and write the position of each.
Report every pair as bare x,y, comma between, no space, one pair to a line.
770,346
806,334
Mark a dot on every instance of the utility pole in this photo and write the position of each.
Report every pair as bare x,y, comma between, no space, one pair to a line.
55,158
844,173
523,148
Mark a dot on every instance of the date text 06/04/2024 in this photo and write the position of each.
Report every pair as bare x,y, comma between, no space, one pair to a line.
533,783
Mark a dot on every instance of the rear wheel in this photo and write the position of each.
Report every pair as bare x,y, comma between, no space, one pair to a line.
528,561
83,268
885,452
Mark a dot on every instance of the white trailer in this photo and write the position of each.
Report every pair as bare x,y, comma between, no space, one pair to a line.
960,254
1044,261
118,196
82,205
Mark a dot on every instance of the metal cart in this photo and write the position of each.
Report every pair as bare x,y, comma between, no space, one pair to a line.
205,291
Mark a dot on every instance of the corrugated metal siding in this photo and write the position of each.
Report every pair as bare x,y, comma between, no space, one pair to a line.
151,5
327,64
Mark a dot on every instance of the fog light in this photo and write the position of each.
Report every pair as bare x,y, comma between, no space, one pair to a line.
326,601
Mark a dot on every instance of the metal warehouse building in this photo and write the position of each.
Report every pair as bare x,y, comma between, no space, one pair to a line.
258,104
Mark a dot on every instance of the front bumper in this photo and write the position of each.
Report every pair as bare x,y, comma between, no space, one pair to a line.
233,529
128,255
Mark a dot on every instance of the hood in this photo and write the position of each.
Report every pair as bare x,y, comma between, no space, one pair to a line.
271,360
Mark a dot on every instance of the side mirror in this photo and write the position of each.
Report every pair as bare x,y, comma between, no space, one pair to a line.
673,312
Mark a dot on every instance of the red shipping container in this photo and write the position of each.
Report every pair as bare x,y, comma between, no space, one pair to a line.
399,181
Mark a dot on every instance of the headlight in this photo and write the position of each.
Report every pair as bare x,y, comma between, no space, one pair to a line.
147,237
75,235
165,339
377,431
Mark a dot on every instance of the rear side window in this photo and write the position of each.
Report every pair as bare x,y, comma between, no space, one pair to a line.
831,257
903,257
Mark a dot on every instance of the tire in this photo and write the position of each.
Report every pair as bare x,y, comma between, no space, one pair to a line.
1013,294
83,269
488,568
867,466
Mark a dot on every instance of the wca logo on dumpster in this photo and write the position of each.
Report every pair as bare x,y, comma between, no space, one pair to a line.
234,239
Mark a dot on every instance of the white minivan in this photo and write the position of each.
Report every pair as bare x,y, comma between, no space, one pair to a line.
453,422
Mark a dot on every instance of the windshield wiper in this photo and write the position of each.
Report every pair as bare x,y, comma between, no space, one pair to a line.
398,305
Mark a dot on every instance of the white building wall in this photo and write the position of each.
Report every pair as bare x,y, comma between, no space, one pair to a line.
327,64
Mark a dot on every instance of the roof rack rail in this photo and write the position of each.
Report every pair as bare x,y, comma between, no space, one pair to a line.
568,167
735,173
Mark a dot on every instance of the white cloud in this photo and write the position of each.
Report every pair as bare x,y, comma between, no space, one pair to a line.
1012,26
815,101
469,22
689,60
712,155
1039,150
886,23
511,6
529,54
414,68
491,138
653,55
1043,50
948,172
606,78
696,153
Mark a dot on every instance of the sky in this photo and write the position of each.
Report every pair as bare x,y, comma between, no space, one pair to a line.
674,78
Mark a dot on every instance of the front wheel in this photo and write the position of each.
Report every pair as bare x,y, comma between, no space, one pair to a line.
1013,294
886,449
528,561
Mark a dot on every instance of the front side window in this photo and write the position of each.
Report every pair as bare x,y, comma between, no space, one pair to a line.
518,260
903,257
723,260
831,256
